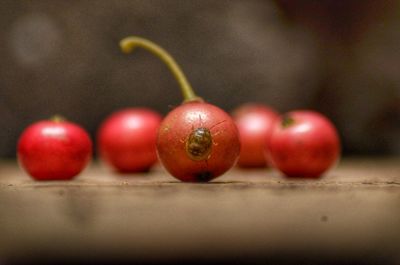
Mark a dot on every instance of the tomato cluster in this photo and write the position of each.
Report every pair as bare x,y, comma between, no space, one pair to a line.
195,142
301,143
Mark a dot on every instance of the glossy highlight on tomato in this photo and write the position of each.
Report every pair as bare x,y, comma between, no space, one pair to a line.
54,150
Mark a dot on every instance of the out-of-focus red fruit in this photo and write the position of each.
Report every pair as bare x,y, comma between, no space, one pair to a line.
304,144
127,139
54,150
255,124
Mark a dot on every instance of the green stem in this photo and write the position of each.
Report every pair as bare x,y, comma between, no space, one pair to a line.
57,118
287,121
130,43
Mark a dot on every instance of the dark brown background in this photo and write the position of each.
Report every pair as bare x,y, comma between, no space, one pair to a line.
339,57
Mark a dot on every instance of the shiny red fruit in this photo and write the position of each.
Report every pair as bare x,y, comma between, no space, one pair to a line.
198,142
54,150
304,144
127,139
255,124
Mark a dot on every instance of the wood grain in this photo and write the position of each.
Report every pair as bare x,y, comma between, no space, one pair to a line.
352,213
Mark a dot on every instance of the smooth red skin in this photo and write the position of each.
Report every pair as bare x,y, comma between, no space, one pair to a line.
54,150
176,128
305,149
255,124
127,139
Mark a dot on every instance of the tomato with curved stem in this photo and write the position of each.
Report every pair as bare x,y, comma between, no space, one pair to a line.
197,141
54,149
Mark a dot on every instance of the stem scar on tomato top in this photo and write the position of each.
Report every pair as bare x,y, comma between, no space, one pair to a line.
287,121
186,144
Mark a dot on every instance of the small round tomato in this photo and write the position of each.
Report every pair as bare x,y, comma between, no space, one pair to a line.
304,144
255,124
198,142
54,150
127,139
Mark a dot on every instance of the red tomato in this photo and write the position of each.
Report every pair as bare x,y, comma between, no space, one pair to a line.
54,150
255,124
304,144
198,142
127,139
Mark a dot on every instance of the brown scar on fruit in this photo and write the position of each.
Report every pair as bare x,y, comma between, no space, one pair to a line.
204,176
200,141
199,144
166,129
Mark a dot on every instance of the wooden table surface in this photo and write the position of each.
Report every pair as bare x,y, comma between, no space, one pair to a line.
243,217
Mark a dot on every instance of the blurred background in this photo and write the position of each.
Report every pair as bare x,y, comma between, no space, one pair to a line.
341,58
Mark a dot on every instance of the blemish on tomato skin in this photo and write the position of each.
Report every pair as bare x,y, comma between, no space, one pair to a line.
203,176
199,144
166,129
